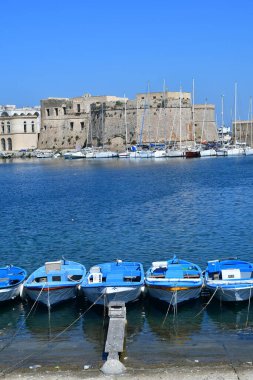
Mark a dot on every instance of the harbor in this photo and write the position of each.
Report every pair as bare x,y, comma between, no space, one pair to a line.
152,209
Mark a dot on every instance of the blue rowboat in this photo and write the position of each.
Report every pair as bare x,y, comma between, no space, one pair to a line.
174,281
11,280
114,281
55,282
229,280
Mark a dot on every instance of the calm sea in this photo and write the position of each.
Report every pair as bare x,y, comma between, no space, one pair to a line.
142,210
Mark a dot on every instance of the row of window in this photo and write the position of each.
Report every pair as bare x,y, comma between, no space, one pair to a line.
71,126
8,127
55,111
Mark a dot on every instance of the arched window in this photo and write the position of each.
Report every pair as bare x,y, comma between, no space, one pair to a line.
4,113
9,144
2,126
3,144
24,126
32,126
8,127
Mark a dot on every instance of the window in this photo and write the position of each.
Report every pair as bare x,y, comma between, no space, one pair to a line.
64,110
9,144
56,111
24,126
71,125
48,111
32,126
82,125
78,108
2,125
45,127
8,128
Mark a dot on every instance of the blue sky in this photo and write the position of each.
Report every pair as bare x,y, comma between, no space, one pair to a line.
68,48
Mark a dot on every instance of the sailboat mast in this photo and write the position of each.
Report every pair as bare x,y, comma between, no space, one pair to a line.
222,118
235,109
125,122
102,122
180,119
193,110
251,121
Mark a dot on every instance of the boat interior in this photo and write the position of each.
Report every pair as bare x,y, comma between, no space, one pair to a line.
163,269
116,274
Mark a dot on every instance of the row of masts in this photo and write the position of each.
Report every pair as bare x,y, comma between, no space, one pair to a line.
89,130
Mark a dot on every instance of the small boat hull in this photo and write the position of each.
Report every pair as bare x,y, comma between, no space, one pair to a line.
231,294
229,280
55,282
50,296
192,154
174,295
102,295
11,282
10,293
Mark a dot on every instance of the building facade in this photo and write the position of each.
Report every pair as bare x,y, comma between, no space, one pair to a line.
110,121
19,127
242,132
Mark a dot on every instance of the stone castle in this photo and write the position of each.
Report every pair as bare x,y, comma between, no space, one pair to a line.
113,122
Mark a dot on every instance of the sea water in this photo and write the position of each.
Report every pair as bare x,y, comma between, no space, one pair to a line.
92,211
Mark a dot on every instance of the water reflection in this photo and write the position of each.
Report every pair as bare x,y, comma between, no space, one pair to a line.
45,324
177,328
231,317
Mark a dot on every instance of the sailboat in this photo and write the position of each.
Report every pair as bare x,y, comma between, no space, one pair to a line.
139,152
178,152
125,154
236,149
193,152
104,153
207,151
160,152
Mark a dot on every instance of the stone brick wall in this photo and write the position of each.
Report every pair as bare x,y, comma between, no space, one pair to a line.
101,121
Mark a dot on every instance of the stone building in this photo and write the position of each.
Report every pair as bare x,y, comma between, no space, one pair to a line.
106,121
19,127
242,132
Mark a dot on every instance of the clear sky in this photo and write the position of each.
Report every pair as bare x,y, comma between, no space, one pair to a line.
54,48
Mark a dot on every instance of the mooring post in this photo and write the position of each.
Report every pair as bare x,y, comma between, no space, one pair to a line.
115,338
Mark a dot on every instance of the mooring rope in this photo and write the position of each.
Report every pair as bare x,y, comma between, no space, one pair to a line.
22,324
247,320
217,287
168,309
45,345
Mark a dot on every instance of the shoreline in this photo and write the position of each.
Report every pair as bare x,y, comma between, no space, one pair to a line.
200,372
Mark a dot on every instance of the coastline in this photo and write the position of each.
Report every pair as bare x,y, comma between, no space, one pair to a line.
205,372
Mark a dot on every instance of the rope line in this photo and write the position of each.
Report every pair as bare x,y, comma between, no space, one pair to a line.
207,303
22,324
45,345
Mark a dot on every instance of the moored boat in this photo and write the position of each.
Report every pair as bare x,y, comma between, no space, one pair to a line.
74,155
174,281
230,280
11,280
114,281
55,282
